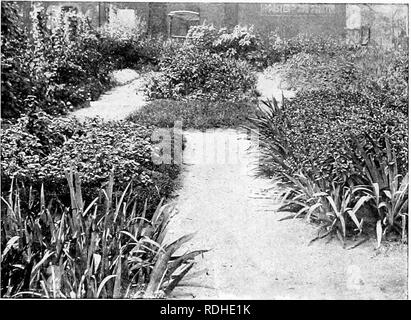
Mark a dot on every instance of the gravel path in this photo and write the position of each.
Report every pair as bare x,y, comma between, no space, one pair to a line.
120,101
255,256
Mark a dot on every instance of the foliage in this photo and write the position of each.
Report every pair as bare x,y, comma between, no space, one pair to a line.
387,188
239,43
380,76
105,249
64,62
316,132
346,135
198,74
194,114
38,150
15,82
130,46
279,49
61,64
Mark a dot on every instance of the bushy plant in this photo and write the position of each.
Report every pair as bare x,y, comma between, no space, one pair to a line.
73,69
37,157
53,68
279,49
193,73
316,132
15,82
130,46
238,43
194,114
345,97
380,76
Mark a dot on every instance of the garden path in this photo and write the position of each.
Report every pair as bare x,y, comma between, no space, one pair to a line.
117,103
252,254
269,85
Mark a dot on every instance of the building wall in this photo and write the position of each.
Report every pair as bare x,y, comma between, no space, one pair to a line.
291,19
388,24
89,9
287,19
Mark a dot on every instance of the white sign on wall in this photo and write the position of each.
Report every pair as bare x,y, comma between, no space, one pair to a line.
274,9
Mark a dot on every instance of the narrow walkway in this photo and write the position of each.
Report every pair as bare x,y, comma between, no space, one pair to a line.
120,101
255,256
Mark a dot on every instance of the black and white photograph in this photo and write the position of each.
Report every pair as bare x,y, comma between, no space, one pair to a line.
204,151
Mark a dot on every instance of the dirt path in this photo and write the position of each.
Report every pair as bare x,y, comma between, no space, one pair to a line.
120,101
253,255
269,85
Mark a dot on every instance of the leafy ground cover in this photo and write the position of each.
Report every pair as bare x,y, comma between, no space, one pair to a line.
194,114
341,145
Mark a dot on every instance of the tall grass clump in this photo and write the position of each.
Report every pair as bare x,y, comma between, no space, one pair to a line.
105,248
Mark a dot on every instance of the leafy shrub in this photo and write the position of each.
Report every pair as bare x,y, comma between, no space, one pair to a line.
280,50
54,67
199,74
102,249
15,82
384,77
380,76
194,113
93,148
240,43
130,48
316,132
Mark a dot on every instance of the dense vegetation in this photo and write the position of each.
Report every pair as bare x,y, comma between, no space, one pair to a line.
89,249
341,144
57,67
194,114
192,73
83,212
52,69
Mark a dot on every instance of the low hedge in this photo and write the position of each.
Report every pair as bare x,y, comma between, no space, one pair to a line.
195,114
